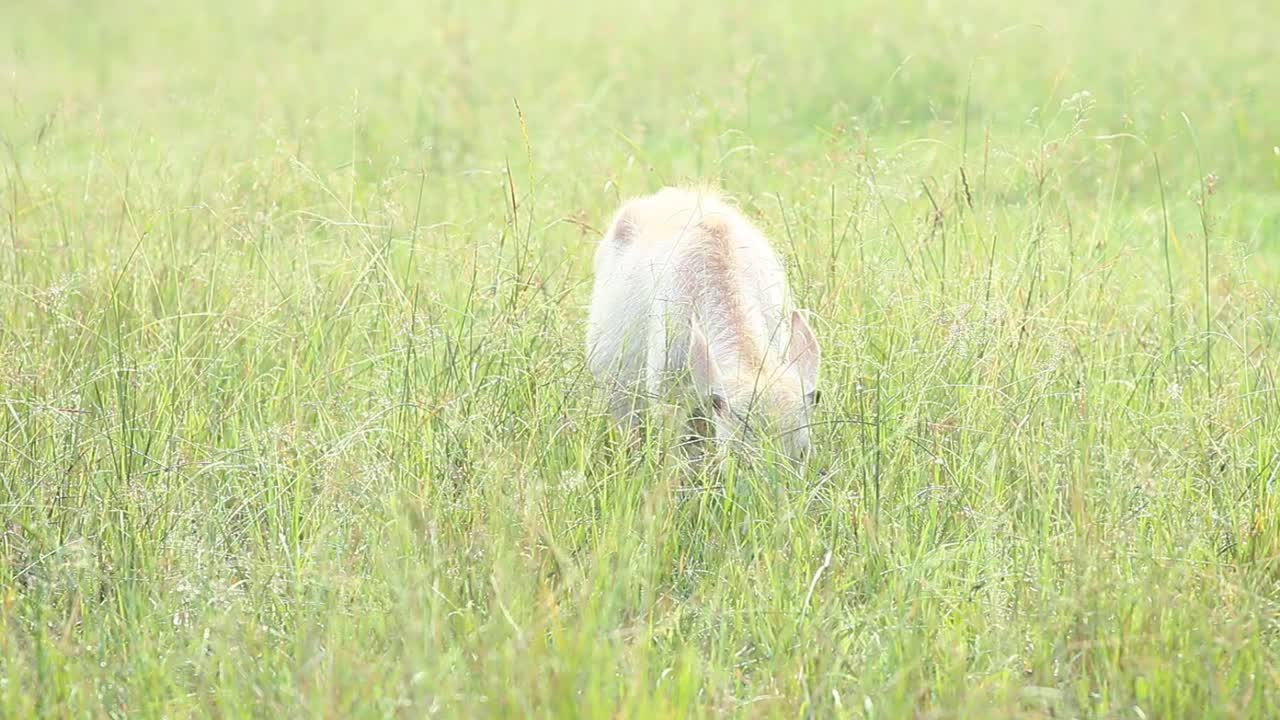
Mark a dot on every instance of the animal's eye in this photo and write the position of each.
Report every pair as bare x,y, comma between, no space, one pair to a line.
815,397
718,403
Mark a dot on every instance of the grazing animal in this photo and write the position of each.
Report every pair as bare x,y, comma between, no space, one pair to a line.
691,305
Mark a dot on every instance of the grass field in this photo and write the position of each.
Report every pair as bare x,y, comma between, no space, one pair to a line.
294,421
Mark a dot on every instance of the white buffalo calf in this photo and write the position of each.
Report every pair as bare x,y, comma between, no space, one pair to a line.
691,305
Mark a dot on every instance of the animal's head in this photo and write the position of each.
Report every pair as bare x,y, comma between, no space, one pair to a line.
769,405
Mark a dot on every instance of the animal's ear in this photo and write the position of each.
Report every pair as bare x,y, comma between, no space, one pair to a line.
624,228
702,364
803,351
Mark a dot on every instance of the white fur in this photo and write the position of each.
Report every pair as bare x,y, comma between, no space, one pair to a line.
691,304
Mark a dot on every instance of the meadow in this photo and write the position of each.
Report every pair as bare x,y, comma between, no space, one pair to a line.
294,420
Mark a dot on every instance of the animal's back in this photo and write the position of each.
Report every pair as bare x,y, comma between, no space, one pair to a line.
671,255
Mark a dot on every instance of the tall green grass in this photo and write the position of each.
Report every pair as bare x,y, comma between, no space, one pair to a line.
294,420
